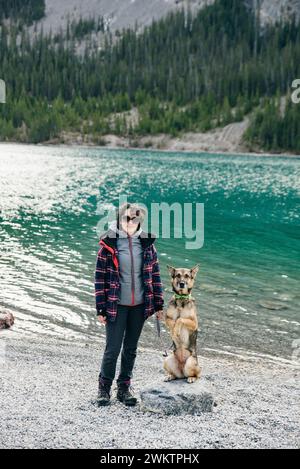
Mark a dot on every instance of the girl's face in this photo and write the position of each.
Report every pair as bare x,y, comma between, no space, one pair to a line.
130,222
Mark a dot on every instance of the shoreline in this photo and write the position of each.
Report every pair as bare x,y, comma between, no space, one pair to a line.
155,150
29,326
54,385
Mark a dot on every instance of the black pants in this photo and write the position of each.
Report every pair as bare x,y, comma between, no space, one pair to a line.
126,330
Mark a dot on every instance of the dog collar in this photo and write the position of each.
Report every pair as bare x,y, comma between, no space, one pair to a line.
182,297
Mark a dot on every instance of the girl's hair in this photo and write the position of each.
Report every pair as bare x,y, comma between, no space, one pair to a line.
135,210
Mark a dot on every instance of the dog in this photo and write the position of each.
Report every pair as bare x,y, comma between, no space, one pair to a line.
182,322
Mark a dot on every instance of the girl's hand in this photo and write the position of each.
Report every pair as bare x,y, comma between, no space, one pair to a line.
160,315
102,319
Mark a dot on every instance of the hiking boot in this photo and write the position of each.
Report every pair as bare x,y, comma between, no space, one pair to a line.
103,395
125,395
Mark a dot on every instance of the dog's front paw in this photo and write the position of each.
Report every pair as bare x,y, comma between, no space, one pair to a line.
169,378
192,379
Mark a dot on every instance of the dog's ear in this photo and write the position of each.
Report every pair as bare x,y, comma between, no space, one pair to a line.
194,270
171,270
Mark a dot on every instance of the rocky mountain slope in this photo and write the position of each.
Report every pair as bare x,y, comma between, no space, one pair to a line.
118,13
272,10
126,13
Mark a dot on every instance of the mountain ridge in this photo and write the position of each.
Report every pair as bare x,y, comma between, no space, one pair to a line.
184,73
121,14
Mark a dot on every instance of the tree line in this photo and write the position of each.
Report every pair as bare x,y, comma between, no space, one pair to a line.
183,73
25,11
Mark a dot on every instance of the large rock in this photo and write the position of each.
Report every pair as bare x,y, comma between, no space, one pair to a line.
177,398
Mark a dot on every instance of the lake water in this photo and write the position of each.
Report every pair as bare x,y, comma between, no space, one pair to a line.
247,289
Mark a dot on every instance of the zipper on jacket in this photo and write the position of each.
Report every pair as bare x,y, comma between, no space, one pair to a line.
132,270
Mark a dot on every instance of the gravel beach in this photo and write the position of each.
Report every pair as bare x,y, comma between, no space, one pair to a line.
48,388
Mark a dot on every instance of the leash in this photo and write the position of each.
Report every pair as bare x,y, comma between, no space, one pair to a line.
165,353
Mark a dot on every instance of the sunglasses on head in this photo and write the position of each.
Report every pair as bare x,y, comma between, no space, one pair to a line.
127,219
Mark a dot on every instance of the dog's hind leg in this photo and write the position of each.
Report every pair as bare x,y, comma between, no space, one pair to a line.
192,370
172,368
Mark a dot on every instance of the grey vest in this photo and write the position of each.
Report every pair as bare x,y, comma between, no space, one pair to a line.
131,273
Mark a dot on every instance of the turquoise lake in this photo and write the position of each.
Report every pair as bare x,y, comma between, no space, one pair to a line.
247,289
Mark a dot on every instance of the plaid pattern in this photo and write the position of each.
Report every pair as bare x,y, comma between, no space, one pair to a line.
107,283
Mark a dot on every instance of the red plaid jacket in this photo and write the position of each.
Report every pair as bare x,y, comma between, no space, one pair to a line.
107,284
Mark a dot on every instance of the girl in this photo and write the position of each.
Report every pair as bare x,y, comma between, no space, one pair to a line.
128,291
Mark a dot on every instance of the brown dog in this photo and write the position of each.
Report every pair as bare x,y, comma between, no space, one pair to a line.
181,320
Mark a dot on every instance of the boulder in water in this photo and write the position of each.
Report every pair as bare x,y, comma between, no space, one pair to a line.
273,305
